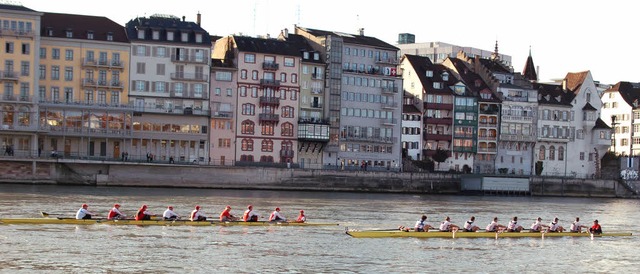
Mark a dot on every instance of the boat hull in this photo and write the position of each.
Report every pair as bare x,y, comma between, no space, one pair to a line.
71,221
438,234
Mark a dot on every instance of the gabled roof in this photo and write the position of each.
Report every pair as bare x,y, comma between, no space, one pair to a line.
304,46
353,38
529,71
552,94
473,81
15,7
270,46
410,109
164,24
575,80
495,66
423,64
630,92
601,125
80,26
588,106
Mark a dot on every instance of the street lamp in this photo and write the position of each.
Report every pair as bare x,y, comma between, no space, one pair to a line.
613,139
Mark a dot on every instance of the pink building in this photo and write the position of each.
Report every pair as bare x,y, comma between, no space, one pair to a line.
223,106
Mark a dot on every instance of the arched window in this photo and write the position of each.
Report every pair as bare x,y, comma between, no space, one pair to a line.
243,74
552,153
267,128
541,155
248,109
287,112
267,146
287,145
286,129
7,115
247,145
560,153
248,127
267,159
246,158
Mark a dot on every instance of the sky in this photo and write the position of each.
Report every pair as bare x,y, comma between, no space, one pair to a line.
564,36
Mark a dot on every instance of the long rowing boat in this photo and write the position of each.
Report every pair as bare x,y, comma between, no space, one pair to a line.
73,221
437,234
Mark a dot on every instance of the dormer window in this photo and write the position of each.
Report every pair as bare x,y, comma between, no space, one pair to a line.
184,37
445,76
109,36
305,55
49,31
429,73
140,34
170,35
69,34
588,97
437,85
156,35
316,56
90,35
478,83
198,37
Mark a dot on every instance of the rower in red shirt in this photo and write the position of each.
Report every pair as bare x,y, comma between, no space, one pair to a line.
301,217
226,216
142,214
595,229
115,213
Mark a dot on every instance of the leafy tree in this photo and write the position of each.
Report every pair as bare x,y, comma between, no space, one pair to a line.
440,156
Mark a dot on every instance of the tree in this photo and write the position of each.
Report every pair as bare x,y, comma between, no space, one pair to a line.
539,168
440,156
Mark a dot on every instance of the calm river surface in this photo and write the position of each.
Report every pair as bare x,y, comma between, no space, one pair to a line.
132,249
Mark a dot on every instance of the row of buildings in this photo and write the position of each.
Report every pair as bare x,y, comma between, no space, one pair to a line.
162,88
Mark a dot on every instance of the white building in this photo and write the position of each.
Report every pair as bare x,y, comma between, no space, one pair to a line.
439,51
411,127
622,101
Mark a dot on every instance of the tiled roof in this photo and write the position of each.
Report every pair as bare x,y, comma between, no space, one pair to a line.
80,26
353,38
588,106
473,81
15,7
271,46
423,64
601,125
575,80
630,92
303,43
494,66
553,94
164,24
410,109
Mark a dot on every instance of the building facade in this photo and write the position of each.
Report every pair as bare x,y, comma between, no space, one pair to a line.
620,110
223,112
439,51
411,127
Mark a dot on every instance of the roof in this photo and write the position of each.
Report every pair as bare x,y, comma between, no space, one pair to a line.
588,106
600,124
553,94
529,71
575,80
473,81
271,46
80,25
164,24
423,64
495,66
353,38
630,92
15,7
410,109
304,43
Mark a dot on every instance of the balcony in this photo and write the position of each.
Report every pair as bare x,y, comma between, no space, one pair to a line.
269,83
316,76
104,63
464,135
438,121
389,121
268,117
488,138
518,137
389,90
389,105
20,128
270,66
269,101
196,77
488,150
316,90
222,114
389,61
177,110
317,121
313,105
510,118
286,153
464,149
432,152
84,105
440,106
9,75
549,138
10,32
186,58
188,94
437,137
466,109
371,139
314,132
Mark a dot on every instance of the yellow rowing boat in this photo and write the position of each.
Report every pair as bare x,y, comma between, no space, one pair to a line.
438,234
72,221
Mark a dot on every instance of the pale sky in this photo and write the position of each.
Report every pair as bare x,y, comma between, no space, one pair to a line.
565,36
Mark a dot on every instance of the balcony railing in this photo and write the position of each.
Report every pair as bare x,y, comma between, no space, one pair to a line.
104,63
391,61
270,66
389,105
270,82
438,137
26,33
516,118
487,150
438,121
315,105
197,77
313,121
488,138
222,114
389,121
188,94
372,139
9,75
186,58
389,90
178,110
268,117
316,90
441,106
517,137
269,101
287,153
84,104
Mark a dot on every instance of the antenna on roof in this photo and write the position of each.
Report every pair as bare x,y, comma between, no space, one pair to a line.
298,14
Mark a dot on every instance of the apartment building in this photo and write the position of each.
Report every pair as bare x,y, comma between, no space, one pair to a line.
363,99
170,69
20,40
411,127
437,52
223,107
268,89
620,109
82,87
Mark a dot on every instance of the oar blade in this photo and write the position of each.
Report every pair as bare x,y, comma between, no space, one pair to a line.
44,214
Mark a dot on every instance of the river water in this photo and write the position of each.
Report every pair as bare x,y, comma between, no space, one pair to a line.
270,249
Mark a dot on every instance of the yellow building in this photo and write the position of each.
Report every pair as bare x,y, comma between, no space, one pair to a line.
19,40
83,81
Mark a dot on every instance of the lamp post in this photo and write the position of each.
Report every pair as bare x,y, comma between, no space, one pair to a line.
613,139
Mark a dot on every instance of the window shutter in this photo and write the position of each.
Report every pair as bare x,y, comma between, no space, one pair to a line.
153,86
146,86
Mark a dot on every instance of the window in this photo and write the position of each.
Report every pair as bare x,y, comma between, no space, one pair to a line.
155,35
223,76
224,142
289,62
68,73
140,68
115,98
161,52
109,36
267,129
254,75
248,109
287,112
229,92
55,54
581,156
184,37
43,72
247,127
249,58
68,55
552,153
43,53
541,153
294,78
26,49
217,92
283,77
243,91
160,69
102,97
8,47
24,68
140,34
198,37
90,35
55,73
267,145
247,145
286,129
243,74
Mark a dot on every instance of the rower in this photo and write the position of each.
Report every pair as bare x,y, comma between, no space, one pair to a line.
469,226
169,215
537,226
513,225
115,214
576,226
83,213
250,215
143,214
422,225
276,216
226,216
596,228
494,226
447,226
554,226
301,217
196,215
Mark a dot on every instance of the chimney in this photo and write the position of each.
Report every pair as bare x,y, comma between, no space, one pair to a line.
198,18
184,18
564,84
286,32
361,31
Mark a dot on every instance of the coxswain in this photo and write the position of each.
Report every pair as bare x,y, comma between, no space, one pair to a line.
115,214
250,215
447,226
554,226
422,225
301,218
83,213
142,214
276,216
196,215
494,226
595,228
469,226
169,215
576,226
513,225
225,215
537,226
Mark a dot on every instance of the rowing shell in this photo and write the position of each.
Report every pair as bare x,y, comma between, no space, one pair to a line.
72,221
438,234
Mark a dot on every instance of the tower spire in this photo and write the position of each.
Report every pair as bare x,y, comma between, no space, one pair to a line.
495,56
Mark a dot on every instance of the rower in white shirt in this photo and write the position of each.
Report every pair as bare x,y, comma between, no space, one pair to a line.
576,226
196,215
494,226
469,226
169,214
554,226
422,225
447,226
83,213
537,226
276,216
513,225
